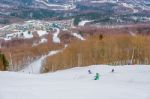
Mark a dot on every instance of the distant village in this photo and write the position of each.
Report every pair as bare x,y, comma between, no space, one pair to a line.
28,28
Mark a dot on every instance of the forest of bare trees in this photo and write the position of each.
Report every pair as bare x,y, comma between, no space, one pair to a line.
102,49
20,53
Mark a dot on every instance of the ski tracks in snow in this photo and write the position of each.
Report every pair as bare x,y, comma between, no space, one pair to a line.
35,67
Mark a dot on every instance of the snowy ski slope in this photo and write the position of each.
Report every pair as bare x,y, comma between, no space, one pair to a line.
127,82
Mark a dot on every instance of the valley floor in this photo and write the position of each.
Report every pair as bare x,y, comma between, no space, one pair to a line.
127,82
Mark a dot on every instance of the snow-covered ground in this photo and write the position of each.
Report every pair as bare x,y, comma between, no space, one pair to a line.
132,33
47,4
77,35
1,28
24,34
104,1
36,66
62,7
130,6
127,82
41,32
56,39
43,40
82,23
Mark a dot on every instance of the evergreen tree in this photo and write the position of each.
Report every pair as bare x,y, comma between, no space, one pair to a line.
3,62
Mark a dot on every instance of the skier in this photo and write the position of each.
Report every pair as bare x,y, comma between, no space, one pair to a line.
97,76
112,70
89,71
3,62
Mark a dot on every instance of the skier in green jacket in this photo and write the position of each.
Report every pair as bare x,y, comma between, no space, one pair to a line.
97,76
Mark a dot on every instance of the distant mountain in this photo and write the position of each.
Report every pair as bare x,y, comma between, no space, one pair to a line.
29,2
129,3
101,11
17,2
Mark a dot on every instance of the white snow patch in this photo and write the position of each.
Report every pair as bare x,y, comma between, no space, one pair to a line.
78,36
47,4
41,33
4,27
104,1
62,7
82,23
130,6
26,34
132,33
7,39
56,39
43,40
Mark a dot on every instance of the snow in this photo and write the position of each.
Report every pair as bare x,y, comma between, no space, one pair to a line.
104,1
127,82
7,39
41,33
35,67
82,23
27,35
130,6
50,5
4,27
43,40
62,7
56,39
132,33
78,36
